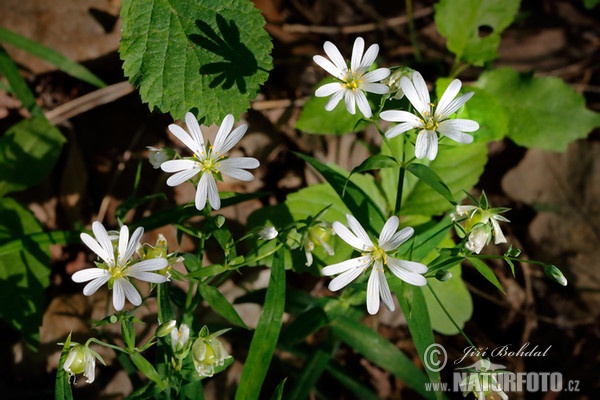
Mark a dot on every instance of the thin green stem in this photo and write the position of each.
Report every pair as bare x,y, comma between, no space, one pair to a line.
110,346
490,256
411,30
401,174
450,318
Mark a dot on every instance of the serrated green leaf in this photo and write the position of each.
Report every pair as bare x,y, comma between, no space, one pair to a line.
544,111
52,56
461,21
208,57
380,351
28,151
486,272
315,119
24,274
266,334
220,304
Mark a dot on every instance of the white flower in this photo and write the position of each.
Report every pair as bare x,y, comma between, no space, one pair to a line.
431,122
354,81
268,233
180,337
82,359
316,235
117,269
377,255
209,161
480,223
479,237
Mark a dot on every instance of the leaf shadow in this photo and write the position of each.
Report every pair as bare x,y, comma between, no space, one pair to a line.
238,62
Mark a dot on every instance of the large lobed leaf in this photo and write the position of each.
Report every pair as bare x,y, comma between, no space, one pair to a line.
208,56
544,112
470,39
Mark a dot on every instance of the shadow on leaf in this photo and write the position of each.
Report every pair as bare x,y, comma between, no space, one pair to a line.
237,62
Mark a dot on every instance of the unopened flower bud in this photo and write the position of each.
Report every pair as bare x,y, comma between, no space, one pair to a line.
443,275
268,233
180,338
553,273
159,156
166,328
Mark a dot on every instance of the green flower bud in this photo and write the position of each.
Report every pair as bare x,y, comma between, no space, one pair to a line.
443,275
82,359
553,273
208,353
165,328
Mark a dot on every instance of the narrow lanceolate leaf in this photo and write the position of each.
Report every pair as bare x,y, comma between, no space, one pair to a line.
476,38
377,161
429,177
62,386
311,372
266,334
544,111
220,304
358,202
52,56
278,393
380,351
147,369
208,57
486,272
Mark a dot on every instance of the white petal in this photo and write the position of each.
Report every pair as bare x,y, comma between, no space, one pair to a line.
406,275
185,138
202,191
400,116
123,245
384,291
421,146
335,56
376,76
348,237
359,231
400,237
373,291
178,165
129,290
453,106
183,176
454,127
134,242
334,269
449,95
350,100
410,266
421,88
363,104
498,235
212,192
118,294
432,145
334,100
369,57
192,124
153,264
388,231
233,167
88,274
328,89
95,247
223,135
399,129
357,53
104,241
329,67
149,277
342,280
95,284
377,88
90,369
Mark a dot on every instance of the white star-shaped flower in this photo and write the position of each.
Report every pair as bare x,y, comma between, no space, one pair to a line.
428,120
117,269
209,161
376,255
354,80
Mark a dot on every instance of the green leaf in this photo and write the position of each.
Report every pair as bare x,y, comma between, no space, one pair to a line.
278,392
545,112
165,310
486,272
467,25
62,385
220,304
266,334
147,369
24,273
458,166
380,351
28,151
315,119
206,56
128,334
351,383
311,372
429,177
17,84
377,161
53,57
360,204
455,297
